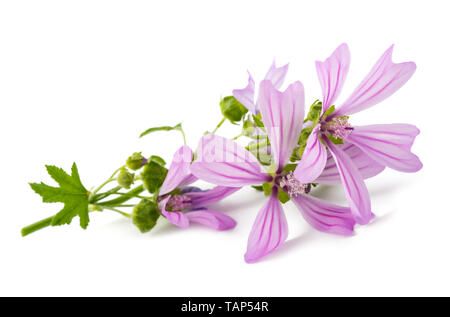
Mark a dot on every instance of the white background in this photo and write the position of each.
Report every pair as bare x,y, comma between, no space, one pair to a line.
79,80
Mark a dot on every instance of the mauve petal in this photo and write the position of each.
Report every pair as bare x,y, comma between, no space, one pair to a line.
324,216
384,79
269,231
354,188
179,173
246,96
313,159
212,219
277,74
224,162
365,165
209,197
332,74
282,114
176,217
388,144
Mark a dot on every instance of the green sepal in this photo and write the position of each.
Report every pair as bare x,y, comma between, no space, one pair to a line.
329,111
335,140
157,159
232,109
258,188
125,178
267,188
135,161
298,151
145,215
71,192
289,168
248,128
259,150
257,120
153,176
314,112
283,197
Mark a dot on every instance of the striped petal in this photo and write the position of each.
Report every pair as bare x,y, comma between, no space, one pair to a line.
383,80
282,114
324,216
277,74
313,159
178,218
179,171
354,188
388,144
269,231
209,197
332,74
212,219
366,166
225,163
246,96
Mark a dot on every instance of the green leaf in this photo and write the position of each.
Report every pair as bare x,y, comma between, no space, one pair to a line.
145,214
153,176
283,197
163,128
70,192
232,109
157,159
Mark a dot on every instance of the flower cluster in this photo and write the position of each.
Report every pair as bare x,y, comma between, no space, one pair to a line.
289,151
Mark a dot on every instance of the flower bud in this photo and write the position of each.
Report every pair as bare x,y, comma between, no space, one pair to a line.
136,161
125,178
145,214
232,109
153,176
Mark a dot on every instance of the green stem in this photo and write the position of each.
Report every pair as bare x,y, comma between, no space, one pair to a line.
184,135
109,180
256,146
238,136
118,211
120,200
37,226
218,126
97,197
137,196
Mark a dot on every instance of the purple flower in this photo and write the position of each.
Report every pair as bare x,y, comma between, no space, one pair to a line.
246,96
181,204
224,162
358,151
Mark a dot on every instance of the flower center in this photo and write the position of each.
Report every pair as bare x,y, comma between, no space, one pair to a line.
292,186
178,203
338,128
